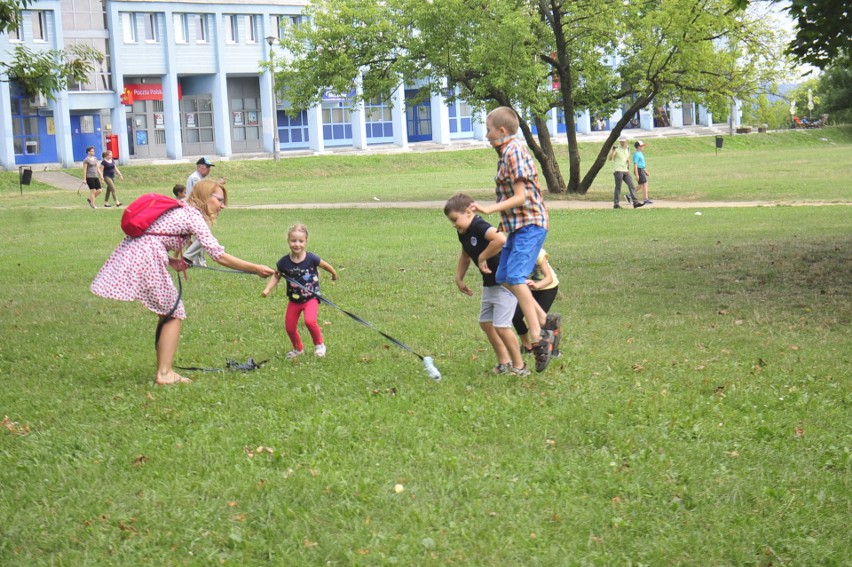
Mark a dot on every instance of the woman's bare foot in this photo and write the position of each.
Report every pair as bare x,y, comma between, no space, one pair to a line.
171,377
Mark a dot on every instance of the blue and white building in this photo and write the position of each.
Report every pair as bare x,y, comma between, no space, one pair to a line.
183,79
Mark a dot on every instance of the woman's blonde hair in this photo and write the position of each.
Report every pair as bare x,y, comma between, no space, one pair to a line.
200,198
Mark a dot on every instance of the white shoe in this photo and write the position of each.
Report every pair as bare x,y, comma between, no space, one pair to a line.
319,350
294,353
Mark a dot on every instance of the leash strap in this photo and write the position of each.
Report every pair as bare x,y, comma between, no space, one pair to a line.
354,317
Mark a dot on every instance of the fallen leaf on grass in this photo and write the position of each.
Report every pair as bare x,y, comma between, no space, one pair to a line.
363,552
128,527
800,431
733,454
309,544
140,460
232,504
14,427
550,443
258,451
238,517
637,368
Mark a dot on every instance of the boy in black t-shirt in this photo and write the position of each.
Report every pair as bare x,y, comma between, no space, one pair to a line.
482,243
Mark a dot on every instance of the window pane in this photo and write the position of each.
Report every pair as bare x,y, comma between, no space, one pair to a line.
205,119
253,133
207,135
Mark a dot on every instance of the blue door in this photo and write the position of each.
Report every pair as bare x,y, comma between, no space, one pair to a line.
418,117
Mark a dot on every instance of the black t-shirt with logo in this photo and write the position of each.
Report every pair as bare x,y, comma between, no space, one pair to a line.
474,242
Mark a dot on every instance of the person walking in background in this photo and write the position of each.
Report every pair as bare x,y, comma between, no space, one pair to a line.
108,171
544,285
301,266
194,254
481,243
620,157
524,217
179,191
640,172
92,175
138,269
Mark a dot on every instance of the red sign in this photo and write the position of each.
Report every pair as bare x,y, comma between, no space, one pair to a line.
147,91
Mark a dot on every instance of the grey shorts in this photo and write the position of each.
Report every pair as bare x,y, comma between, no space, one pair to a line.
642,177
498,306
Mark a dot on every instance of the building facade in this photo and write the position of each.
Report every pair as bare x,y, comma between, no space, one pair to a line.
183,79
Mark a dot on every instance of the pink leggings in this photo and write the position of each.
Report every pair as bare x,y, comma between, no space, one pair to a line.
291,322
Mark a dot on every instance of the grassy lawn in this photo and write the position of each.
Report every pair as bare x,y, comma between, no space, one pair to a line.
810,165
699,415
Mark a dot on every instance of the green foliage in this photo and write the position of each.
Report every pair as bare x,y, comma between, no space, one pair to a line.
10,14
835,86
48,71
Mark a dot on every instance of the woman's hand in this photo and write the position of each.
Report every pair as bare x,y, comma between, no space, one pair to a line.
264,271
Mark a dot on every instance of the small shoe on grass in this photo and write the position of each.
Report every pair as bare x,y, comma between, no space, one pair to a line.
294,353
319,350
520,372
501,368
107,205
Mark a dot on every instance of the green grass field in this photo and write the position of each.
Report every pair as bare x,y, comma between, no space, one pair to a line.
699,415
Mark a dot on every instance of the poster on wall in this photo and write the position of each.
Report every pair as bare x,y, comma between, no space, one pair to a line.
190,120
159,121
238,118
141,137
251,118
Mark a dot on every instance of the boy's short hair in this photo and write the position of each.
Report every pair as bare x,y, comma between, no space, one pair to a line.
504,117
178,189
458,203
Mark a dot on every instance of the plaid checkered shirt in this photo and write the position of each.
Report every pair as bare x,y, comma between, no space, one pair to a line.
516,163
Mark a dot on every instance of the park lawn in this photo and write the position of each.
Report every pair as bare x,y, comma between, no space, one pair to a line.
699,415
809,165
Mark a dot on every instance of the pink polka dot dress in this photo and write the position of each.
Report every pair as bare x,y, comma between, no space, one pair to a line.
139,268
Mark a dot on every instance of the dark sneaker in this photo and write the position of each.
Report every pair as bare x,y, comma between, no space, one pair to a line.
544,350
628,198
616,206
637,204
649,202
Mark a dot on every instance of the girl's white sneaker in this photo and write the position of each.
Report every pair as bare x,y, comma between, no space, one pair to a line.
320,350
294,353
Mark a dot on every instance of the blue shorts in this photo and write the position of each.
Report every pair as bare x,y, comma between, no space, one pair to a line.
519,254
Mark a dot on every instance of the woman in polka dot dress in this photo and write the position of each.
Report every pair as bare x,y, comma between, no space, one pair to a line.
138,268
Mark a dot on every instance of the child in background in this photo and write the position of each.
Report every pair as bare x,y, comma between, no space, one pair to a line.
482,243
108,170
301,266
640,172
544,285
524,217
179,191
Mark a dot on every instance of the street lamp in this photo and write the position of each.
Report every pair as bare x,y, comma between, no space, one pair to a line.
271,40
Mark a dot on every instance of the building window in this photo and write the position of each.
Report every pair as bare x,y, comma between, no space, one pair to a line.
252,29
128,25
152,29
201,28
39,21
232,24
181,28
15,34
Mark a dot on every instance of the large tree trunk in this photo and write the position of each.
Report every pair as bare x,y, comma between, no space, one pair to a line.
600,159
542,150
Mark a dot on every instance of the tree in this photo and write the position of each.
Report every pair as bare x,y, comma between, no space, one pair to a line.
43,72
510,52
835,88
823,29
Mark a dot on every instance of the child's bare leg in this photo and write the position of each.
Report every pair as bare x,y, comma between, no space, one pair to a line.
533,313
496,343
166,350
510,341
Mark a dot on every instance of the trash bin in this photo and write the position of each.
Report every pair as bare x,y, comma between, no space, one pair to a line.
25,177
112,145
719,142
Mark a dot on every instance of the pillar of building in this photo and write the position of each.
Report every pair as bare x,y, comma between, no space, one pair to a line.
62,123
646,118
478,125
359,119
440,117
400,127
676,114
705,118
317,141
584,122
7,146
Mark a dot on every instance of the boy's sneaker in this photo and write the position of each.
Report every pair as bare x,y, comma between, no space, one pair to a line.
519,372
319,350
294,353
501,368
628,198
637,204
649,202
544,350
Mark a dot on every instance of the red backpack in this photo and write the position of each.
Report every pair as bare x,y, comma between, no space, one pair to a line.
141,213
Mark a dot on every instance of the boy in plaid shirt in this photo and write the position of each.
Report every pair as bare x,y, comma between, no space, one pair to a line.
523,216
